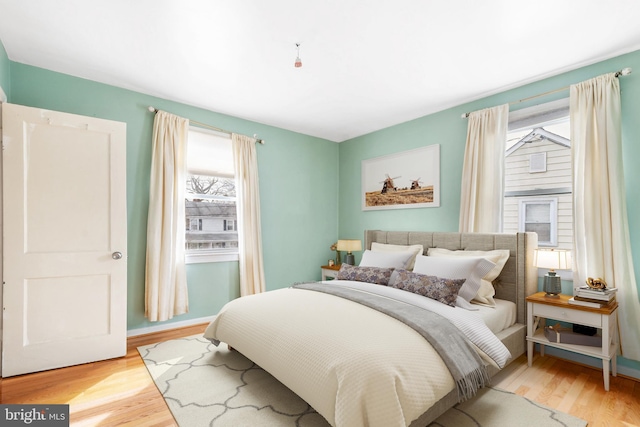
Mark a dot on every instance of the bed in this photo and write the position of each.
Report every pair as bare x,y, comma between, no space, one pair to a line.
381,367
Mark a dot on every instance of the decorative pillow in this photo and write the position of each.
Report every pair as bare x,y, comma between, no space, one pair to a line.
385,259
498,256
377,275
414,249
472,269
437,288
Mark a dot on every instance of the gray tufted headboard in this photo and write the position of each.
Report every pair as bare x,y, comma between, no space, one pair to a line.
517,280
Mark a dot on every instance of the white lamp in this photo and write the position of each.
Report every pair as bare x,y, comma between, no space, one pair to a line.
349,246
553,259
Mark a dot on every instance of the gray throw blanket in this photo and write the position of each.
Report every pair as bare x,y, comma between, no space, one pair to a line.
466,367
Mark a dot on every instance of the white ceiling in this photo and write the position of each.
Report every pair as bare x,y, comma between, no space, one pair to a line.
367,64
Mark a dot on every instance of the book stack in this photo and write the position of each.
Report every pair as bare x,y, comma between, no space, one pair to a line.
595,298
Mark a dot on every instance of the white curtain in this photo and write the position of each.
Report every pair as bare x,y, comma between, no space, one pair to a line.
601,244
165,281
245,160
482,195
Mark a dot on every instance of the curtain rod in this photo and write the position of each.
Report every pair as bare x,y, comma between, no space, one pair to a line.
204,125
623,72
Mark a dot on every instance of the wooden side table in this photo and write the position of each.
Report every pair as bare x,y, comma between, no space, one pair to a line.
540,308
330,271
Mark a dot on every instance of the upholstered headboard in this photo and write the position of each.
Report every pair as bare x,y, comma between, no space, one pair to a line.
518,278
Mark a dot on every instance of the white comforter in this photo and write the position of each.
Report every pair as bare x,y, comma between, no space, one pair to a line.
352,364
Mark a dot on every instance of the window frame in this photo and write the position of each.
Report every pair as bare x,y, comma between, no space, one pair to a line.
210,256
553,218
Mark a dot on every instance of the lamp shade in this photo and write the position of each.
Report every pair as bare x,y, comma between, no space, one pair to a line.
553,259
349,245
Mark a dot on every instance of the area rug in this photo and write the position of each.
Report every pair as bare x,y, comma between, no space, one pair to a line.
205,385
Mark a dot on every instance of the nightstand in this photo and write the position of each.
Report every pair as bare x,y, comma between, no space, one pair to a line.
540,308
330,271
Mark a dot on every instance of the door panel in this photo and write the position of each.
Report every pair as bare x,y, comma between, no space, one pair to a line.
85,227
64,211
93,291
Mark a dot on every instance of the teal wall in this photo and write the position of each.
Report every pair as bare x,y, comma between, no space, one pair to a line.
449,130
5,77
298,187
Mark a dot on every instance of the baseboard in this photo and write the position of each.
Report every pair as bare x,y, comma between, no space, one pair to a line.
634,374
168,326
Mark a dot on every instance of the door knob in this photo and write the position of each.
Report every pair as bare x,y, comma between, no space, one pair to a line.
116,255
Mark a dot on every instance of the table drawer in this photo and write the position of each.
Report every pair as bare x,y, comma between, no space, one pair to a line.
329,273
568,315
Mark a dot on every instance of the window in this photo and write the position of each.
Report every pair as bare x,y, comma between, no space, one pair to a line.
211,231
195,224
540,216
538,179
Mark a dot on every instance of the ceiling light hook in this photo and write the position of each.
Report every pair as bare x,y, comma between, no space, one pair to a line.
298,62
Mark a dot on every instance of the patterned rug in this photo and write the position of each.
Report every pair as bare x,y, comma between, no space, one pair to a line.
205,385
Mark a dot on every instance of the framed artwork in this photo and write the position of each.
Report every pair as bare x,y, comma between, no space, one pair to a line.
409,179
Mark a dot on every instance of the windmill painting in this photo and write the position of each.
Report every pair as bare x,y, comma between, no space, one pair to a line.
409,179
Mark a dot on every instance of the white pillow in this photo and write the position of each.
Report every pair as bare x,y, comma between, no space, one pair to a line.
498,256
385,259
471,268
385,247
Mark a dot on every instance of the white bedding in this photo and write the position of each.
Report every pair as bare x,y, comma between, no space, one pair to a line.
499,317
354,365
466,321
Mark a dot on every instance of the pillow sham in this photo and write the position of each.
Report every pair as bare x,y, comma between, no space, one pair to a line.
385,259
498,256
376,275
414,249
436,288
472,269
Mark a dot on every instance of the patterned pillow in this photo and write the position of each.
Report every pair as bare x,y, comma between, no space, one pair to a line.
470,268
377,275
437,288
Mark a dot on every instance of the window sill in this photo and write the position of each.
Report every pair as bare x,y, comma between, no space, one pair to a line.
196,258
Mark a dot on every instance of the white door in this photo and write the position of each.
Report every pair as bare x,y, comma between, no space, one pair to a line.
64,240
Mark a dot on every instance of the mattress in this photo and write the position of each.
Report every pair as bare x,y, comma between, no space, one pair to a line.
497,318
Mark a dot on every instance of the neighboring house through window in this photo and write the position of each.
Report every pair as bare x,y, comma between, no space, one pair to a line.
538,179
211,232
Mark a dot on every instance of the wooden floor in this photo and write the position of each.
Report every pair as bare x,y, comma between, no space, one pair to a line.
120,392
117,392
574,389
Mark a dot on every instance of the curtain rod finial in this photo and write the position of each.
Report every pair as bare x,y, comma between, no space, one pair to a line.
152,109
624,72
258,140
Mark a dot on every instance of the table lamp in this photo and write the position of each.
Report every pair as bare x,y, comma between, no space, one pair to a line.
553,259
349,245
